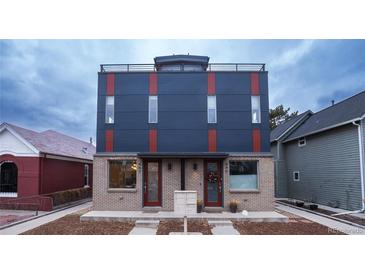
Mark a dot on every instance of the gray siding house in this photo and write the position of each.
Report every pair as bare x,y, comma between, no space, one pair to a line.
319,157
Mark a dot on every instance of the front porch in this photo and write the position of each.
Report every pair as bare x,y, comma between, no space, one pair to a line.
252,216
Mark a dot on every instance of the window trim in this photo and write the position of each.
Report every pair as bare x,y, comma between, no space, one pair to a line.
215,109
106,105
120,189
248,190
302,139
296,172
150,99
259,110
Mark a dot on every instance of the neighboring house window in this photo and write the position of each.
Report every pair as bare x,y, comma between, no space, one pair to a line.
122,173
212,109
296,176
302,142
243,175
86,175
152,109
109,110
255,109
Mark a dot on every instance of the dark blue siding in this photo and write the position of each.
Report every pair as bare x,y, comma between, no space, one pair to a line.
182,112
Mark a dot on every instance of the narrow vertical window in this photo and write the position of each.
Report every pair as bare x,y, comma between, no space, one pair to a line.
152,109
109,110
256,109
86,175
212,109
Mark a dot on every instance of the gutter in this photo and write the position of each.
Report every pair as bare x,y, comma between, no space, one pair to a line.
326,128
361,149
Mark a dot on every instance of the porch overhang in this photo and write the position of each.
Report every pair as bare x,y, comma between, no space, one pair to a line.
183,155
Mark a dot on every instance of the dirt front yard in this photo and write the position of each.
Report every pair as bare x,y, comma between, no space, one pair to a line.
71,225
296,226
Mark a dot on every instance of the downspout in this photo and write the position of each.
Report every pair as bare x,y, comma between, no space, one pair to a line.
361,150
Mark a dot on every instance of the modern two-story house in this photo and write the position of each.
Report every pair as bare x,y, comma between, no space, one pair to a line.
182,123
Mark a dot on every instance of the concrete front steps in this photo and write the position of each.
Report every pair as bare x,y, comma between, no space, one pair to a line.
145,227
223,228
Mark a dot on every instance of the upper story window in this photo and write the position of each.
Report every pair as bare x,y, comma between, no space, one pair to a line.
152,109
255,109
212,109
302,142
109,110
296,176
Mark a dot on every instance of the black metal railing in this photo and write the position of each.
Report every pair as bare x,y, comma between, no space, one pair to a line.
210,67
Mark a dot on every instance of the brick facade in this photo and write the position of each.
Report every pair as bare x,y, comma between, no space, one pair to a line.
132,199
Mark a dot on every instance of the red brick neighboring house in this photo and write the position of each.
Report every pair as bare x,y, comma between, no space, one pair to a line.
36,163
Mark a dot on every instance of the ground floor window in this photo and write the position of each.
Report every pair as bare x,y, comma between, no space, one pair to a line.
243,175
86,175
122,173
8,178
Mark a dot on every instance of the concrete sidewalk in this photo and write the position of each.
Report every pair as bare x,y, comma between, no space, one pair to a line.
20,228
345,228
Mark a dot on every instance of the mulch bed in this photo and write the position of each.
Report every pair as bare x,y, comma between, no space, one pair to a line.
295,226
71,225
165,227
350,218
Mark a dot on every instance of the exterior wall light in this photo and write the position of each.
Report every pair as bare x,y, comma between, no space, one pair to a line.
195,166
169,166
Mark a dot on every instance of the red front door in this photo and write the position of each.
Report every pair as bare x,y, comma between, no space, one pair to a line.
152,190
213,187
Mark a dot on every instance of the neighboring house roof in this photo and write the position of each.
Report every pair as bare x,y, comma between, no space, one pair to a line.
344,112
288,125
53,142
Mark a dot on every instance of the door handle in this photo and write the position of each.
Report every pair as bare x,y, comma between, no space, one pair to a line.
145,188
220,188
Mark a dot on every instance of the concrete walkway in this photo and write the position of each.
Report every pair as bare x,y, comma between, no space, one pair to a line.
223,228
20,228
345,228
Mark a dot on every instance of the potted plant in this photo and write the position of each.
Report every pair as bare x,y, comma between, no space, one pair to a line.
233,205
199,205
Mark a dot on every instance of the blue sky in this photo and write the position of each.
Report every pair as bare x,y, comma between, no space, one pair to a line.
52,84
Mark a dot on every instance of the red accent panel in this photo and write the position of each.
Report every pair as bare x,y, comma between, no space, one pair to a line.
256,140
153,140
212,140
110,80
255,84
109,140
211,83
153,83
